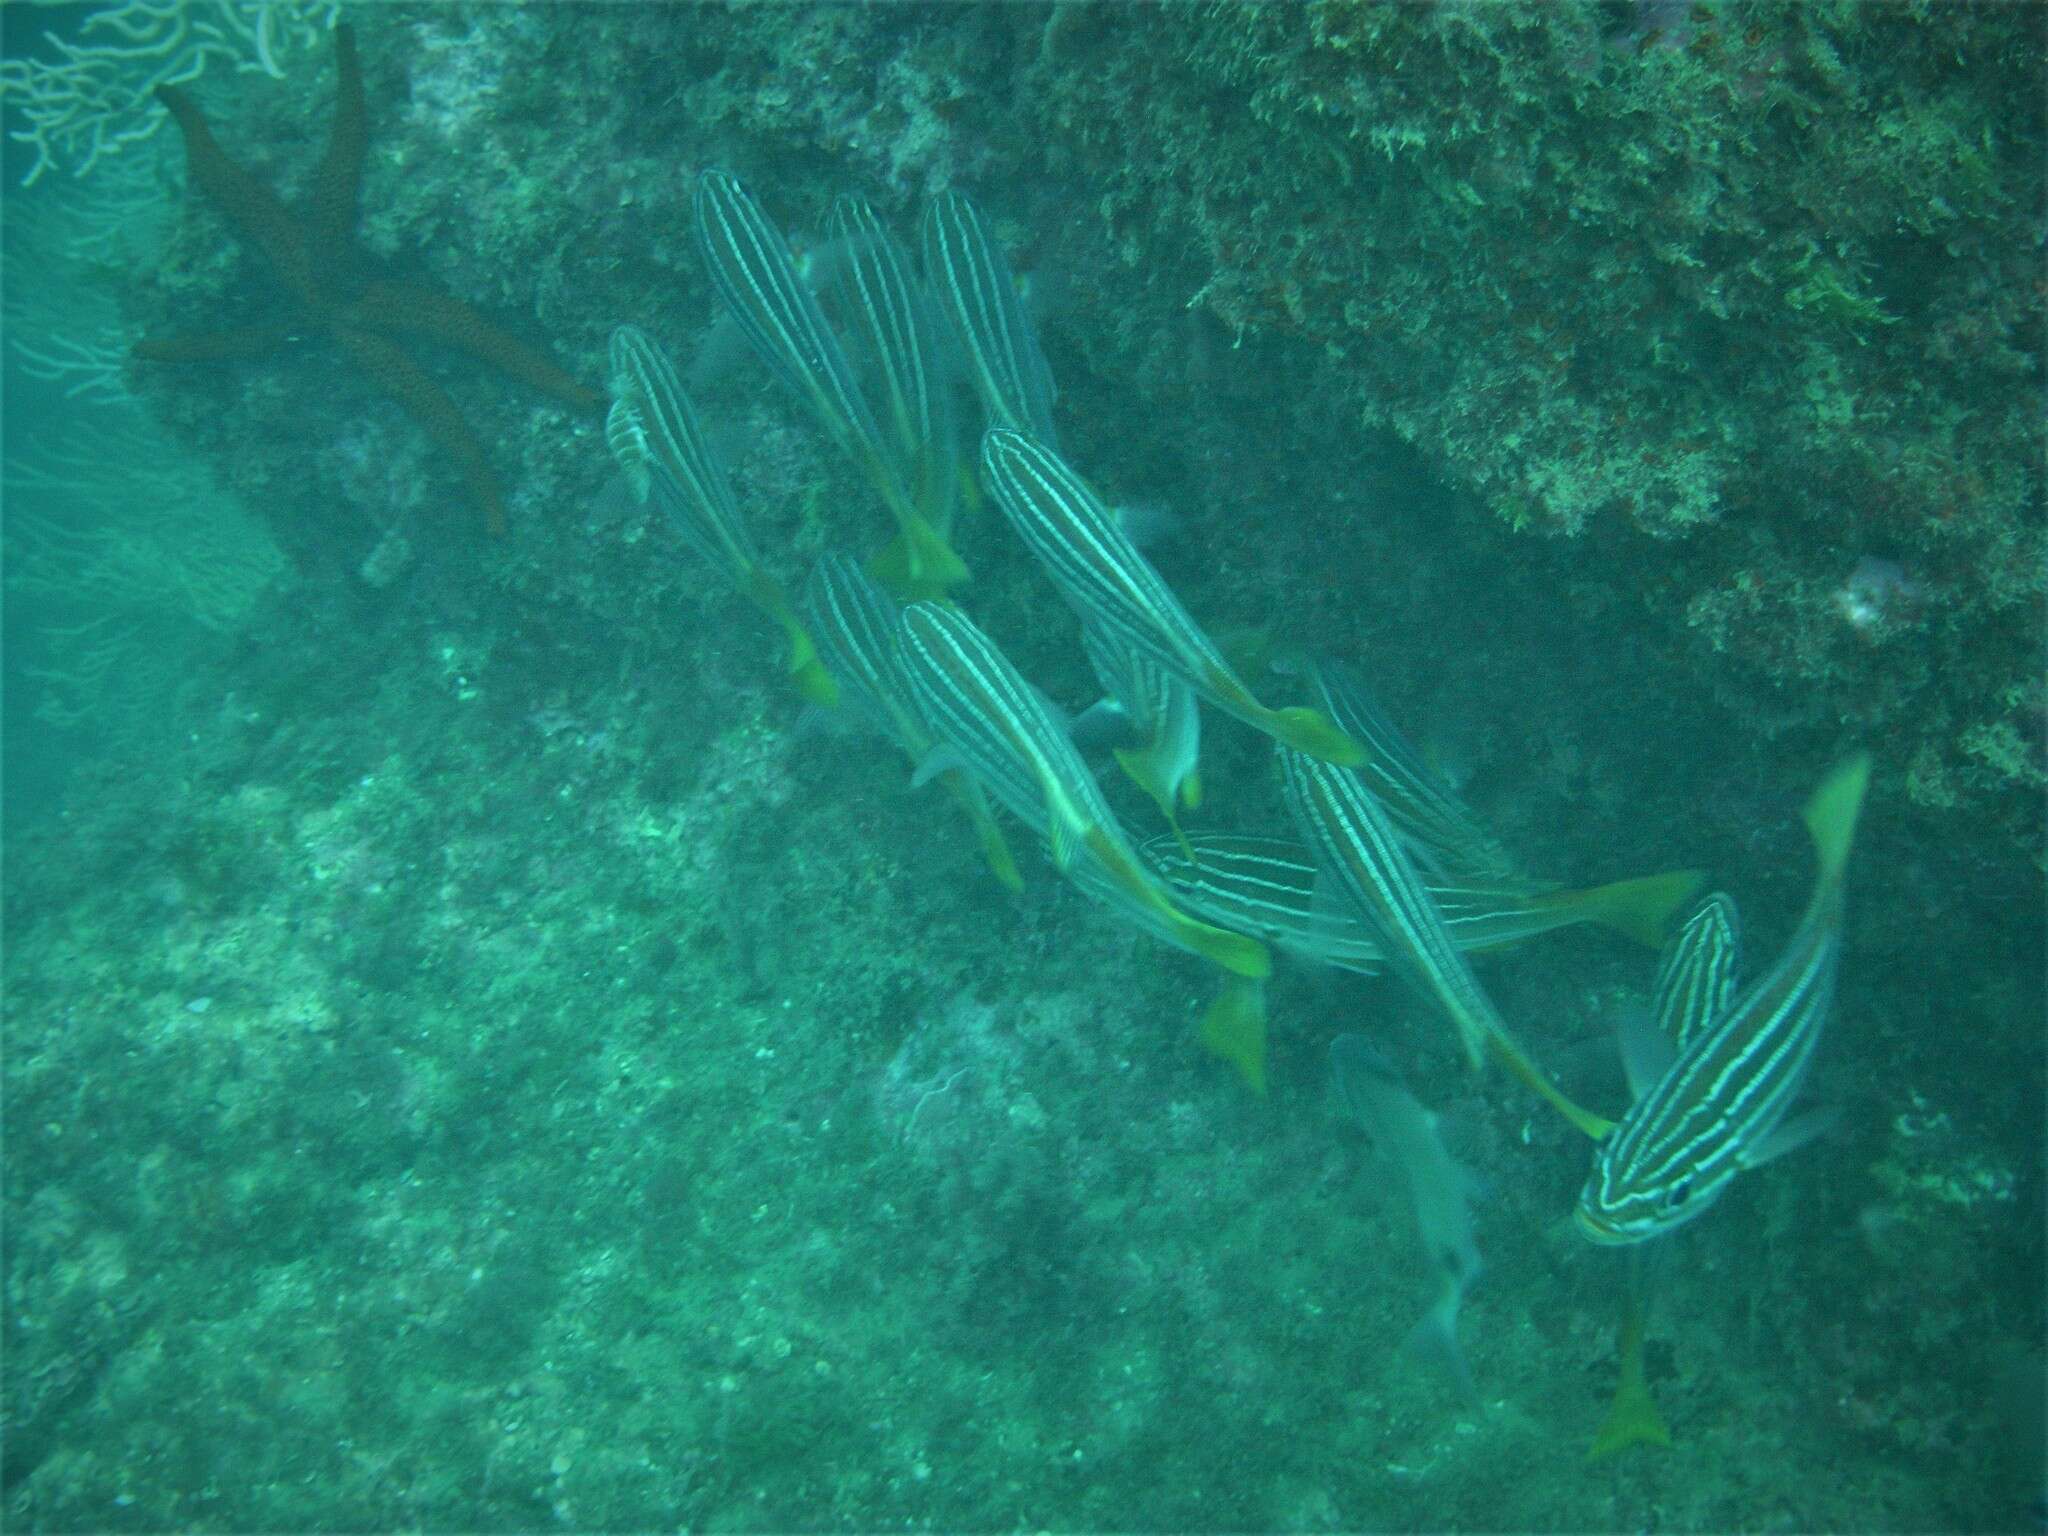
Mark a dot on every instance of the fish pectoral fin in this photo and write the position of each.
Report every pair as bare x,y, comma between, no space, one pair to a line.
940,759
1234,1028
1790,1134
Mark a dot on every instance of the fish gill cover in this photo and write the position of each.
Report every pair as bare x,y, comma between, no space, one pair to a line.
482,1053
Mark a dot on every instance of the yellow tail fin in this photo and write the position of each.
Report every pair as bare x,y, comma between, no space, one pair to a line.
806,671
918,563
1831,813
1234,1028
1633,1418
1639,909
1308,730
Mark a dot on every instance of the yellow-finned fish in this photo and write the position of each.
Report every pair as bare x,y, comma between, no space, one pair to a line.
653,433
1357,845
1002,730
1720,1108
1421,800
881,301
857,624
1267,886
756,276
1113,587
965,266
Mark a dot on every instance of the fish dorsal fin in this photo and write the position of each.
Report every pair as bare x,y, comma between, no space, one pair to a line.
940,759
1331,912
1105,723
1646,1051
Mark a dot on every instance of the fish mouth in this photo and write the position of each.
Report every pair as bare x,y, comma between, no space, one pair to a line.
1591,1228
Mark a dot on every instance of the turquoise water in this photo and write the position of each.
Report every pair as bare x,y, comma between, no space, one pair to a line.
483,1052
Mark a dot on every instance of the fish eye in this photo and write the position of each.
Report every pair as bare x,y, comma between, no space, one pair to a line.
1678,1194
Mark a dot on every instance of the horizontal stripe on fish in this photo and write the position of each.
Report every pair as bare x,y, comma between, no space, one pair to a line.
977,294
1355,843
1005,734
1697,976
1269,886
1266,886
1421,801
1114,588
858,628
1716,1110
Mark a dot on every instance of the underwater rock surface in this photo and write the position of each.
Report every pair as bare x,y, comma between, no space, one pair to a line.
478,1056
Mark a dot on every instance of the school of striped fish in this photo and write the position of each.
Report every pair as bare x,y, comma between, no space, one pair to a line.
1383,868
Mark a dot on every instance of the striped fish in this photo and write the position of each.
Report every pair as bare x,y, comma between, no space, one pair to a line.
756,277
1003,731
1696,978
1116,591
966,270
1356,844
857,625
1421,801
1268,886
1697,975
1715,1112
881,300
653,433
